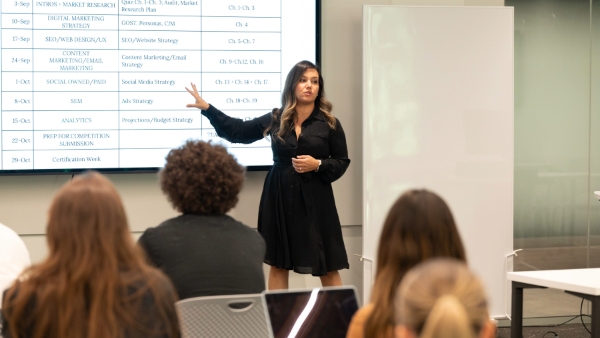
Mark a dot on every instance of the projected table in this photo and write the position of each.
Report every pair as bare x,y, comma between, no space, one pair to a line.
100,84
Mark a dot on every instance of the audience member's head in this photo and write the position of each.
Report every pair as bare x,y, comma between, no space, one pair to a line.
94,282
204,251
201,178
14,258
441,298
419,226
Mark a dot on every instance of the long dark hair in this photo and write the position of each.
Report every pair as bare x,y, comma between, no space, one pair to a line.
94,282
419,226
283,121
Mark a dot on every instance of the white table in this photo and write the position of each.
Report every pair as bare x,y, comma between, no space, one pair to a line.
584,283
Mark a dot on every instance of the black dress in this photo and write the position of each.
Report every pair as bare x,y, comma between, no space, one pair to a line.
297,214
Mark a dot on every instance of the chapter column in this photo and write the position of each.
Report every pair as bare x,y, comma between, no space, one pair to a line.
241,63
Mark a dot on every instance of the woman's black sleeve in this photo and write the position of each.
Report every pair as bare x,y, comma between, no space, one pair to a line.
335,166
236,130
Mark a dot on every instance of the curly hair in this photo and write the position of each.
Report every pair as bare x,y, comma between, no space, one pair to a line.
202,178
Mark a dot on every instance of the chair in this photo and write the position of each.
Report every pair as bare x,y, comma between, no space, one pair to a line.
223,316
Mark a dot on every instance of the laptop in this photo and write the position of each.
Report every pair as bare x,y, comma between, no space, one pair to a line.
314,313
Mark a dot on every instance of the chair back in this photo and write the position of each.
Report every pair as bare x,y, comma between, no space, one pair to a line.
223,316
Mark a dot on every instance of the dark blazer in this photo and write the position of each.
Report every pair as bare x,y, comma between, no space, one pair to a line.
207,255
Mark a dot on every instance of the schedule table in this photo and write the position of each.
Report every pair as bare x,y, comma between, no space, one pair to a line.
100,84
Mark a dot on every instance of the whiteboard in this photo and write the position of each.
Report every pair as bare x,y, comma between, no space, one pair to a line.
438,114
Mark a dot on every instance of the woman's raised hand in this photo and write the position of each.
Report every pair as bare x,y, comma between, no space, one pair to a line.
200,103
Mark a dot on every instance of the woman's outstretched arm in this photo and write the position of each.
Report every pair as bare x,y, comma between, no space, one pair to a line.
232,129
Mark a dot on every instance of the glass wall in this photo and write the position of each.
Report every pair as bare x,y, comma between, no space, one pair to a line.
557,143
594,247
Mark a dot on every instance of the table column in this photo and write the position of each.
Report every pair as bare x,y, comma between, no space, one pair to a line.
159,55
16,100
76,84
241,64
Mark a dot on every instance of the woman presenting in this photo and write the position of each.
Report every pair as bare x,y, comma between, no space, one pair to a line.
297,214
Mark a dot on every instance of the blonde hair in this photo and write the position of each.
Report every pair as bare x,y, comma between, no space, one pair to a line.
441,298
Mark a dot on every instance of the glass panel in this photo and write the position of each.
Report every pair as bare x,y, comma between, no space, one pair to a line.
552,115
594,252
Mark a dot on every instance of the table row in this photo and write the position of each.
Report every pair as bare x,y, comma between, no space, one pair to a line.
113,120
110,139
143,101
77,60
231,8
112,39
138,82
117,158
139,22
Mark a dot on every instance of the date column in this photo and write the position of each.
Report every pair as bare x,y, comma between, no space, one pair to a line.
17,74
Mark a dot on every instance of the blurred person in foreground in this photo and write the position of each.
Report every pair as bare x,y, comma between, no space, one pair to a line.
419,226
94,282
14,258
204,251
441,298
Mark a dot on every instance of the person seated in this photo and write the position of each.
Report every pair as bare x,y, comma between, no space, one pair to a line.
441,298
95,282
204,251
418,226
14,258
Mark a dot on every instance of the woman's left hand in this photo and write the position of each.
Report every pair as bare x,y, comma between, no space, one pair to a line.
305,163
200,103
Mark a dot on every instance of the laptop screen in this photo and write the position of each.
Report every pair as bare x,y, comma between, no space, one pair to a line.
311,313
